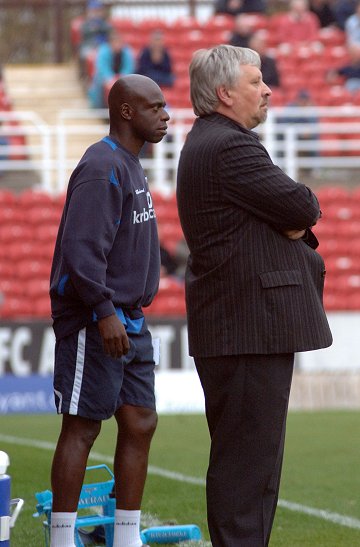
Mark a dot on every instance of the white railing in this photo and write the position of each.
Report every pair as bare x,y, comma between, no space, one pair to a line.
330,140
31,154
171,10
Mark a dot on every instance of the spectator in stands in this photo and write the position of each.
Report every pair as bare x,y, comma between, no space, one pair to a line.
234,7
299,24
174,263
113,59
352,30
106,267
94,31
242,31
343,9
349,72
168,262
324,12
270,73
155,62
171,264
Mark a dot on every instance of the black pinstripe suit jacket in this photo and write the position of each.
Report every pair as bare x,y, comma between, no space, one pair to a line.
249,289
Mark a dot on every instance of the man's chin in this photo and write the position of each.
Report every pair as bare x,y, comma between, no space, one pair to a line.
262,118
156,139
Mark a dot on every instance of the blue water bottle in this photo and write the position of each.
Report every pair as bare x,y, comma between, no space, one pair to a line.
171,534
5,484
9,508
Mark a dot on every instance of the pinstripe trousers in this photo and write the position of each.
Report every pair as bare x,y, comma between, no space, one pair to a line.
246,399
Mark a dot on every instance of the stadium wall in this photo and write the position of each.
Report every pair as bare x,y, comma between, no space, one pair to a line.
326,378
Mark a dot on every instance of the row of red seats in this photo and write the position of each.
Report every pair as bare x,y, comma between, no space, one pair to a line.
28,228
215,27
338,232
301,65
27,245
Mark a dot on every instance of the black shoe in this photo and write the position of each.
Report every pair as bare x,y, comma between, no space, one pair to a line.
97,535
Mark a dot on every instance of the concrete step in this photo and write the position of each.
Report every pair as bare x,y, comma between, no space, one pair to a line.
47,90
18,181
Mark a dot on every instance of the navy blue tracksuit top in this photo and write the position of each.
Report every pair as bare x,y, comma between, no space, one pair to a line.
107,249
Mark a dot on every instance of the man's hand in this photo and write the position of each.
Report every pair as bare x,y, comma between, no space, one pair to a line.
294,234
113,334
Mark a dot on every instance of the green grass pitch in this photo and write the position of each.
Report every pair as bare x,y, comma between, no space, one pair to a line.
321,472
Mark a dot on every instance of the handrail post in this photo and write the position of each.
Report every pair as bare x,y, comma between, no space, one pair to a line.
291,164
46,159
61,149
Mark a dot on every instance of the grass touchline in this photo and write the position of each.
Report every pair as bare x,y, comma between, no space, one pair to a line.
324,514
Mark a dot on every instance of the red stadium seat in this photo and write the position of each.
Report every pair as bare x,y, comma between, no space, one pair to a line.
167,306
7,198
122,24
33,269
18,308
28,198
331,36
11,287
334,195
189,23
171,234
10,214
170,287
42,307
166,212
6,270
219,22
45,233
338,211
12,232
46,214
333,247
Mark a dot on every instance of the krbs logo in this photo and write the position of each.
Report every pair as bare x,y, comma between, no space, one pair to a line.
145,214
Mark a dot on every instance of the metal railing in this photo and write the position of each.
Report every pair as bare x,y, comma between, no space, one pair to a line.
25,145
311,138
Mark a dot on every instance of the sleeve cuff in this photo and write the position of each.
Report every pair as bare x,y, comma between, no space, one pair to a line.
311,239
104,309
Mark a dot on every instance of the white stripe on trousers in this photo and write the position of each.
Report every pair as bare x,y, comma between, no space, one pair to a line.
79,369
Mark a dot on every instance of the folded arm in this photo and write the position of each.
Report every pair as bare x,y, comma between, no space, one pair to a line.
251,180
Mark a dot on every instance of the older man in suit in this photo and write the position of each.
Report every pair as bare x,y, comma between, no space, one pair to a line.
254,286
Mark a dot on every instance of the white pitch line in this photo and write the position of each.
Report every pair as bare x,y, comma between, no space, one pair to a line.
336,518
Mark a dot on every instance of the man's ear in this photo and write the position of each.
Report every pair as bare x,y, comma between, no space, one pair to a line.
126,111
223,95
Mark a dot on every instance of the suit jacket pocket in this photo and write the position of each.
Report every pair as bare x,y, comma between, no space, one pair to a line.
281,278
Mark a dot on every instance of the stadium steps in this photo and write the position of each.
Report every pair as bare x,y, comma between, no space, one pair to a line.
19,181
47,90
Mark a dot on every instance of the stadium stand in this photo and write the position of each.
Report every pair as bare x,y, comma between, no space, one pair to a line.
29,220
302,65
28,227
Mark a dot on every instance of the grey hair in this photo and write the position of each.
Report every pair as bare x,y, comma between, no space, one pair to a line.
213,67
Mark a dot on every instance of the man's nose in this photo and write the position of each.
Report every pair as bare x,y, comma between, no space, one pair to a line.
165,115
267,90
